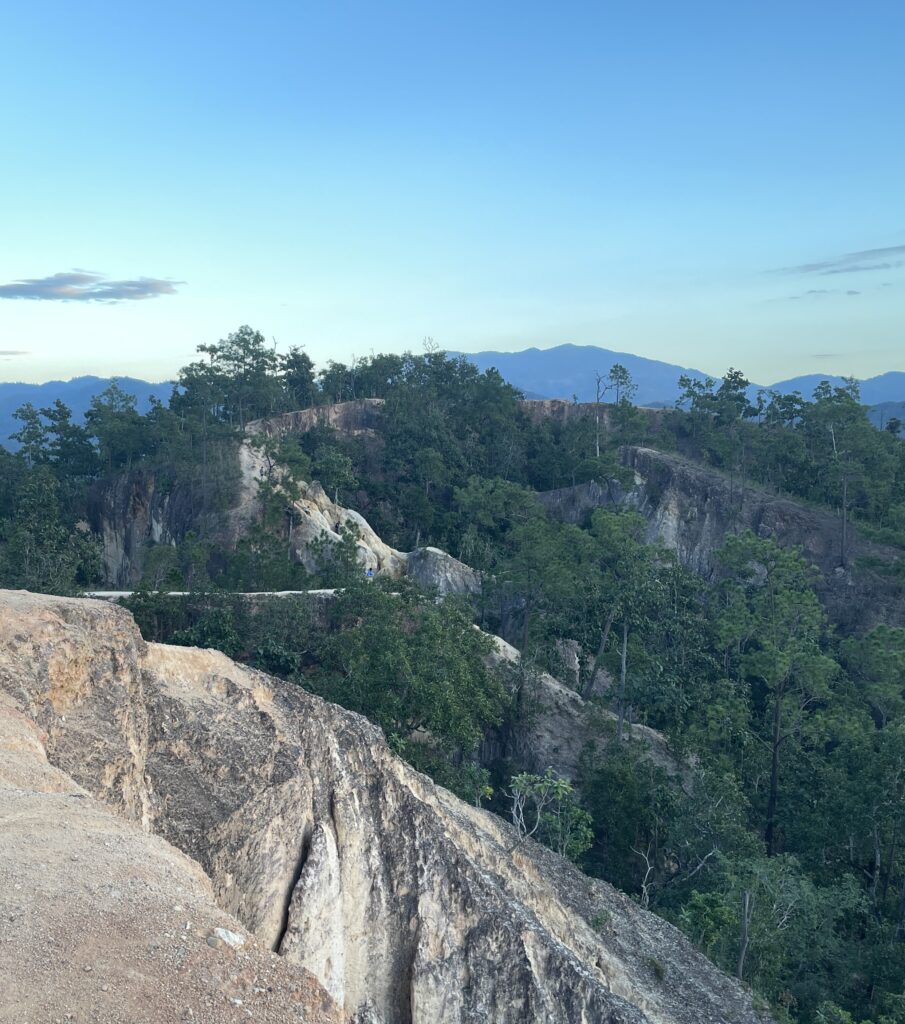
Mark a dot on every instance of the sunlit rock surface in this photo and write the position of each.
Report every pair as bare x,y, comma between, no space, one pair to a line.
404,903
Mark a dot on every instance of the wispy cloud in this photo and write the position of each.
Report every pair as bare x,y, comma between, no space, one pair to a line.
85,286
7,352
816,293
890,258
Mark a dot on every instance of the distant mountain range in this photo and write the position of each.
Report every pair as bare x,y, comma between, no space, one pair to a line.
561,372
881,414
76,393
569,370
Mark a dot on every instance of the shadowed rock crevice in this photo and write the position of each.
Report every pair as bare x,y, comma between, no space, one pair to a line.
277,943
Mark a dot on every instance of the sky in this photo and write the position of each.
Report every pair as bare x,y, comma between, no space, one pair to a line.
711,184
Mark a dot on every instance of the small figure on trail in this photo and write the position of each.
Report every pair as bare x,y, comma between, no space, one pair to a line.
369,573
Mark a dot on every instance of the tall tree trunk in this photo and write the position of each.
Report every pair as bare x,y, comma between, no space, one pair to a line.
599,392
621,722
598,657
900,921
875,874
770,831
597,430
844,520
747,909
891,857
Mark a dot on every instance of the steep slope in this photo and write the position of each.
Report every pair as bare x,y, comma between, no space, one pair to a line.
404,903
132,511
104,922
692,509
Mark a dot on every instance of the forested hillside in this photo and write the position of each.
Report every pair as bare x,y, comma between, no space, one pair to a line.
775,836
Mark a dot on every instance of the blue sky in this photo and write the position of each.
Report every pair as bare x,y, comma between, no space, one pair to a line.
706,183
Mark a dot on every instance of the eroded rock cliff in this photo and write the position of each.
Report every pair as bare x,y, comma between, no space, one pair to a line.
692,510
405,904
104,922
349,418
132,511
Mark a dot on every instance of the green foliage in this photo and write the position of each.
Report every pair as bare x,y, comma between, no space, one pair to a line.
39,550
707,918
414,667
121,432
49,437
770,626
876,663
632,804
769,822
334,470
298,378
216,628
824,451
338,565
545,807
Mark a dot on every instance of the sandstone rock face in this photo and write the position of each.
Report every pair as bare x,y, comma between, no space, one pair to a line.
127,515
350,418
575,504
692,510
104,922
555,725
320,519
314,516
406,905
130,513
435,569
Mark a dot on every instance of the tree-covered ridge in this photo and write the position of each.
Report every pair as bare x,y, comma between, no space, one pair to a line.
778,848
823,450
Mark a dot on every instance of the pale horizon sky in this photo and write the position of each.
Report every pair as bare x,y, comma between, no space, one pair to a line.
705,184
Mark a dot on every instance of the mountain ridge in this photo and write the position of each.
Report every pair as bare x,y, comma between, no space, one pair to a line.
76,393
567,370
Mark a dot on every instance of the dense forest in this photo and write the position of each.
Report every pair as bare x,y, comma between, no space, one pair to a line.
777,843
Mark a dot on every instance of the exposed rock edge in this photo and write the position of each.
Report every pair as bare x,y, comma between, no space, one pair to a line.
407,905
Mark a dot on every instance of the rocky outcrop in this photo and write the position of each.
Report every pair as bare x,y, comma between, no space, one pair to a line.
132,512
136,509
692,509
127,514
575,504
105,922
318,523
318,520
437,570
349,418
555,725
405,904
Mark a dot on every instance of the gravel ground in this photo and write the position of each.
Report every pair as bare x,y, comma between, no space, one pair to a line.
103,923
